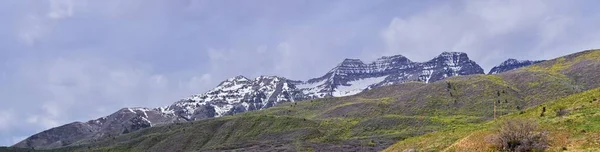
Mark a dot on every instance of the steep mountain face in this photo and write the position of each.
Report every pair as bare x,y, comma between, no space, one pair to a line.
240,94
121,122
446,111
511,64
352,76
236,95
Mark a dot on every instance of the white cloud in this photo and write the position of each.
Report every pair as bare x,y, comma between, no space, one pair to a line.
37,24
424,35
200,83
92,88
7,120
43,121
61,9
86,59
31,29
486,30
504,16
284,59
17,139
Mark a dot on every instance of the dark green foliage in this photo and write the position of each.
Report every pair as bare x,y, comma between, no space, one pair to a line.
543,112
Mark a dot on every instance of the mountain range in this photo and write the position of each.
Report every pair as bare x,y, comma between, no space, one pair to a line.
240,94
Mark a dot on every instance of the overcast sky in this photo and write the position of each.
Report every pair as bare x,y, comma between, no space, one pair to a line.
75,60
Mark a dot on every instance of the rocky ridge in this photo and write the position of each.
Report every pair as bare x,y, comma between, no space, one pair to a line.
240,94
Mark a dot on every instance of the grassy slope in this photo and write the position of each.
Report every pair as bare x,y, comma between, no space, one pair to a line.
375,119
577,131
11,149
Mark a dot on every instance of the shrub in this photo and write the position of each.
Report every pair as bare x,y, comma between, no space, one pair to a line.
519,135
372,143
562,111
543,111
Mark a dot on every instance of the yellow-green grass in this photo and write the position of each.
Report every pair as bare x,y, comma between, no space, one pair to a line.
579,130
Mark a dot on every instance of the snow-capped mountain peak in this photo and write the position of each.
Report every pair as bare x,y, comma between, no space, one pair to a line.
451,58
351,76
511,64
240,94
239,78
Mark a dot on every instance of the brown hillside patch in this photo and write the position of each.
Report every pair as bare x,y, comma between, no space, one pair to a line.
475,142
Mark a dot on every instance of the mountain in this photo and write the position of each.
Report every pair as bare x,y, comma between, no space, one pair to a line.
511,64
352,76
412,116
121,122
240,94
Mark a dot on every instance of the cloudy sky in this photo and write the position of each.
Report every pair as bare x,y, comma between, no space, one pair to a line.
75,60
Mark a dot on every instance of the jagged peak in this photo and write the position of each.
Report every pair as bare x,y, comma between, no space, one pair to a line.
451,54
134,109
354,62
140,108
351,61
451,58
392,58
347,63
232,81
512,61
238,78
241,78
268,77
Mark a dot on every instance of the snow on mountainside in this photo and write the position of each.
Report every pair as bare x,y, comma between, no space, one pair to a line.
235,95
240,94
352,76
511,64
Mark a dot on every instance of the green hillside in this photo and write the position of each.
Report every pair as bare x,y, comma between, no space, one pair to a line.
577,130
419,116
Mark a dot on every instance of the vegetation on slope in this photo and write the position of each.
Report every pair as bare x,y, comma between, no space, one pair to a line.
13,149
427,117
572,123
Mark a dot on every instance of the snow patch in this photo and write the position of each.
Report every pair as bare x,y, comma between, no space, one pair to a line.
356,86
221,110
307,85
234,87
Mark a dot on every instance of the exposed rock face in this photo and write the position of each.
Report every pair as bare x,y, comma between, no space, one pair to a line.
121,122
511,64
352,76
240,94
236,95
